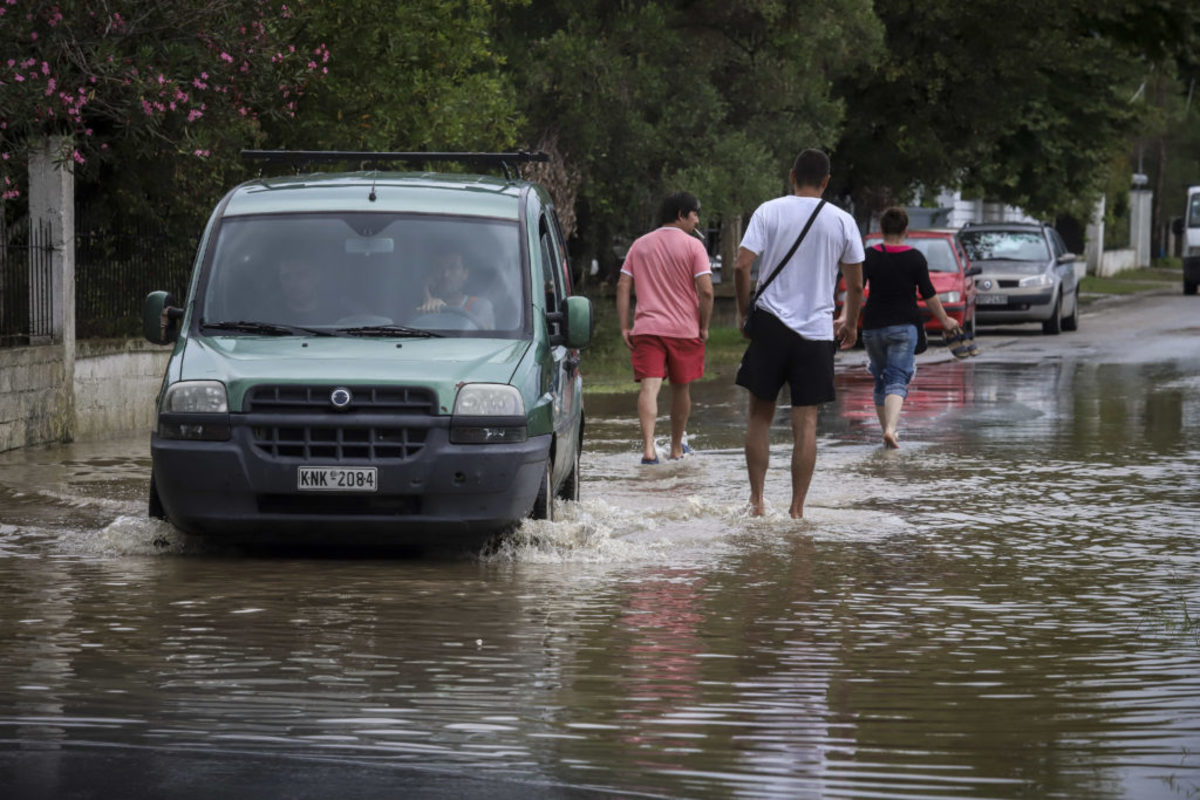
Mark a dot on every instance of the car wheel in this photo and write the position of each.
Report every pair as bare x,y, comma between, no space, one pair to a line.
570,487
1054,324
543,506
1189,287
1071,323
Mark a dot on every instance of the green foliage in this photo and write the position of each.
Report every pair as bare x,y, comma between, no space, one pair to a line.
175,88
415,75
1020,101
713,97
1023,102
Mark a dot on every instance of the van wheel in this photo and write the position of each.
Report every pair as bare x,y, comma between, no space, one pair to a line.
1055,323
1071,323
570,487
155,510
543,506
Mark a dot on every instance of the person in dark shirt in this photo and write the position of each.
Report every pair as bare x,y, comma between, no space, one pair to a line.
895,273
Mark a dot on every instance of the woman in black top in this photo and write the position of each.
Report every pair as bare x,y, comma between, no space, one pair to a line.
895,273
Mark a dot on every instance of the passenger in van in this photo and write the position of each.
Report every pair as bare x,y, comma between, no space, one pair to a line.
445,291
300,289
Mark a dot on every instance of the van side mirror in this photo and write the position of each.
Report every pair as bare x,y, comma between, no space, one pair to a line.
160,318
972,271
579,321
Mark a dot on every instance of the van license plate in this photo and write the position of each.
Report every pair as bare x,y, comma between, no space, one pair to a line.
336,479
992,299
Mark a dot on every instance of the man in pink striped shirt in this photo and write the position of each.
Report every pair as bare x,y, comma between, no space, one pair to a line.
669,271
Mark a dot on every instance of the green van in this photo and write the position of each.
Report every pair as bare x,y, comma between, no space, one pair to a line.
386,356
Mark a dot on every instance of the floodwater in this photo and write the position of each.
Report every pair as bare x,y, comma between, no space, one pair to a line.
1007,607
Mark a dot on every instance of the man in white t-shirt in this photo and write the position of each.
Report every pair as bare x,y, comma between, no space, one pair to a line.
669,271
798,336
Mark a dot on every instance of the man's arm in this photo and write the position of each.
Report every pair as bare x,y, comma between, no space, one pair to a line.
741,282
845,327
624,285
704,289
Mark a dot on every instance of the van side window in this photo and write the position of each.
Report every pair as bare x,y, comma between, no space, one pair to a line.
563,258
552,283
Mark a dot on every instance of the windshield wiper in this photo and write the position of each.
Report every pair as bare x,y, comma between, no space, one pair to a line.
266,328
389,330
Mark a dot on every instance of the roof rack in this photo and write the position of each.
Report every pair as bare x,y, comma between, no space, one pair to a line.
364,157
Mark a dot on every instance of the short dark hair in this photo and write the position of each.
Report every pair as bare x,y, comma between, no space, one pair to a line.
893,221
811,168
677,205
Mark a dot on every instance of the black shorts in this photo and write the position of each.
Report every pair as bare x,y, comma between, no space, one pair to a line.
778,355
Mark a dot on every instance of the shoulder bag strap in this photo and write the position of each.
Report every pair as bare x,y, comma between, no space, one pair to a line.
763,287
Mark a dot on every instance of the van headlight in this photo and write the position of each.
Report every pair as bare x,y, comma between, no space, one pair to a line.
1036,280
950,297
488,413
194,410
196,397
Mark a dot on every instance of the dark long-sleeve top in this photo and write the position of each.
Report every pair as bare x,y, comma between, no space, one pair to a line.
894,275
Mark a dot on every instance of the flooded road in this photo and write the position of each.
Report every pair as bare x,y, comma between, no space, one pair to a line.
1007,607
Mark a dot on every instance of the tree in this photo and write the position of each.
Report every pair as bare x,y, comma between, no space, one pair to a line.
715,97
1021,101
413,75
172,87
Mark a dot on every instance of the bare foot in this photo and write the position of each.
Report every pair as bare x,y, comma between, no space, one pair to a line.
891,440
797,513
755,509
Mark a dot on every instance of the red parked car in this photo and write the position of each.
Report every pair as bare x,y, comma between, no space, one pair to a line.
949,270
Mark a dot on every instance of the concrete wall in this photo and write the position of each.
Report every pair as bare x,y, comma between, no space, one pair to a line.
113,392
1114,261
34,402
116,383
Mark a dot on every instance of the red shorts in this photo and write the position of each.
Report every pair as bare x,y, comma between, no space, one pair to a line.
677,359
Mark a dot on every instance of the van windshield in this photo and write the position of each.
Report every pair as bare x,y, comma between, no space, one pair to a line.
366,275
1194,211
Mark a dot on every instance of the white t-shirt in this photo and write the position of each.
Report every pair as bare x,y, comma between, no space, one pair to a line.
802,297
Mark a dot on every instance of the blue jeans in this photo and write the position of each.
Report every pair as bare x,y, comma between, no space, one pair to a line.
893,362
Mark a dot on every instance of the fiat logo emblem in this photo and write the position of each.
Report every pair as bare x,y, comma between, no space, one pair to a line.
340,397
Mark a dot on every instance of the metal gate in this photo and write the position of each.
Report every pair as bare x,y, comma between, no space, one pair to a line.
26,283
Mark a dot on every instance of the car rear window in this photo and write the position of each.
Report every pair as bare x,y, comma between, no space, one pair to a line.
1004,245
335,271
939,253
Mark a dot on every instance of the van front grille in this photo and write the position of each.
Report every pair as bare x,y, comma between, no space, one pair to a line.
339,443
300,399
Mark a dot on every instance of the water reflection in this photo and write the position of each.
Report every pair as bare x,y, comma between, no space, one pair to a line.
998,610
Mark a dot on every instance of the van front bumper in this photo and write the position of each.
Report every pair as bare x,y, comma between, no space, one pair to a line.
446,494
